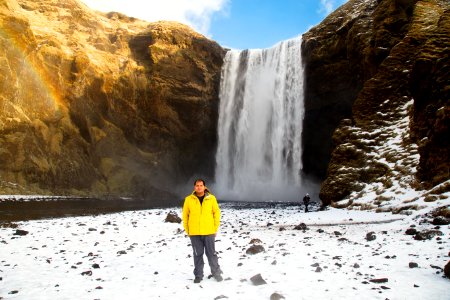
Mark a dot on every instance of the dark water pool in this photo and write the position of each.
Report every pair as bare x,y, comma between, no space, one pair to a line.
42,208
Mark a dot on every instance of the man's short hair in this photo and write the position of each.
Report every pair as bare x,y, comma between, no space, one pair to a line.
199,179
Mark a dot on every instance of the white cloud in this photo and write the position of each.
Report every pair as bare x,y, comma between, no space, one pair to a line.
328,6
195,13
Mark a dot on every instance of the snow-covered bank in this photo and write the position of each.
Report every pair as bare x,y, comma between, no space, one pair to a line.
137,255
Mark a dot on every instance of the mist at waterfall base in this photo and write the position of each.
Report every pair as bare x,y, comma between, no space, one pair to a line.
260,124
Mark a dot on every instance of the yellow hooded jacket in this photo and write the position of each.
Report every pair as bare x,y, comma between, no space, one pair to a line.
201,219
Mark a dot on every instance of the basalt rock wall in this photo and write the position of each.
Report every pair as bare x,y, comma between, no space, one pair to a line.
102,104
375,69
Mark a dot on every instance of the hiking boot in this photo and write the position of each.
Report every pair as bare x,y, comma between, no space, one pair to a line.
197,280
218,277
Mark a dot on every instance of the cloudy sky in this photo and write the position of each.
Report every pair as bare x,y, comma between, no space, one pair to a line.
239,24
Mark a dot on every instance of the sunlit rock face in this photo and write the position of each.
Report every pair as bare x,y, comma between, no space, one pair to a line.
377,97
97,105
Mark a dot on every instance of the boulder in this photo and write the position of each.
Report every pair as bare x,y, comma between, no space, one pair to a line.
257,280
255,249
447,270
172,217
427,234
371,236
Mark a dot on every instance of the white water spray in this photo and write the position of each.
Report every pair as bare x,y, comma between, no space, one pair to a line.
260,124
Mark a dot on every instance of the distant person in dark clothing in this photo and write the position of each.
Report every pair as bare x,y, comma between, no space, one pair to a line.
306,200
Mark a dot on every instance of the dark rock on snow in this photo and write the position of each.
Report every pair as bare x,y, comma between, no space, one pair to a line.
276,296
440,220
21,232
371,236
301,226
379,280
87,273
172,217
427,234
255,249
258,280
447,270
411,231
255,241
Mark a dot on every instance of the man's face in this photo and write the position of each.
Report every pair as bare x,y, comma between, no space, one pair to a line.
199,188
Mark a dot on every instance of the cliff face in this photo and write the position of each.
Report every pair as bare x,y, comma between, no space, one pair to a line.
377,89
95,104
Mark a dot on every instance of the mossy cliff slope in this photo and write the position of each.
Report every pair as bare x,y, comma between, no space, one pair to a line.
377,97
103,105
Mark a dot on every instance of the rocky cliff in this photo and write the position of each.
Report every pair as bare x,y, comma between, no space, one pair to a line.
103,105
377,98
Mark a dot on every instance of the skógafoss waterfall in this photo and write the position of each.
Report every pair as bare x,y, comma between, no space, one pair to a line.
260,123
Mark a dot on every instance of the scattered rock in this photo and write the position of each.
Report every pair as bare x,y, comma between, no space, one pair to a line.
21,232
121,252
379,280
440,220
371,236
427,234
8,225
447,270
318,270
356,266
337,233
172,217
87,273
13,292
258,280
255,249
411,231
276,296
221,297
436,267
96,266
301,226
413,265
255,241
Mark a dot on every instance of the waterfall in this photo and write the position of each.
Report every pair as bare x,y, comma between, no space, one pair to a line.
260,123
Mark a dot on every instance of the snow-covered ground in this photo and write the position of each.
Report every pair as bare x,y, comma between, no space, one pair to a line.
136,255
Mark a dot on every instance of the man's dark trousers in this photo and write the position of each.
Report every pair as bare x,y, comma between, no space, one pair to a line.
204,244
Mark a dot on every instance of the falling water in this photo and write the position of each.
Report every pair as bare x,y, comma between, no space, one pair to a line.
260,124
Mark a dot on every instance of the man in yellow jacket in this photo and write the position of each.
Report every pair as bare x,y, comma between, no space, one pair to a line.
201,220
